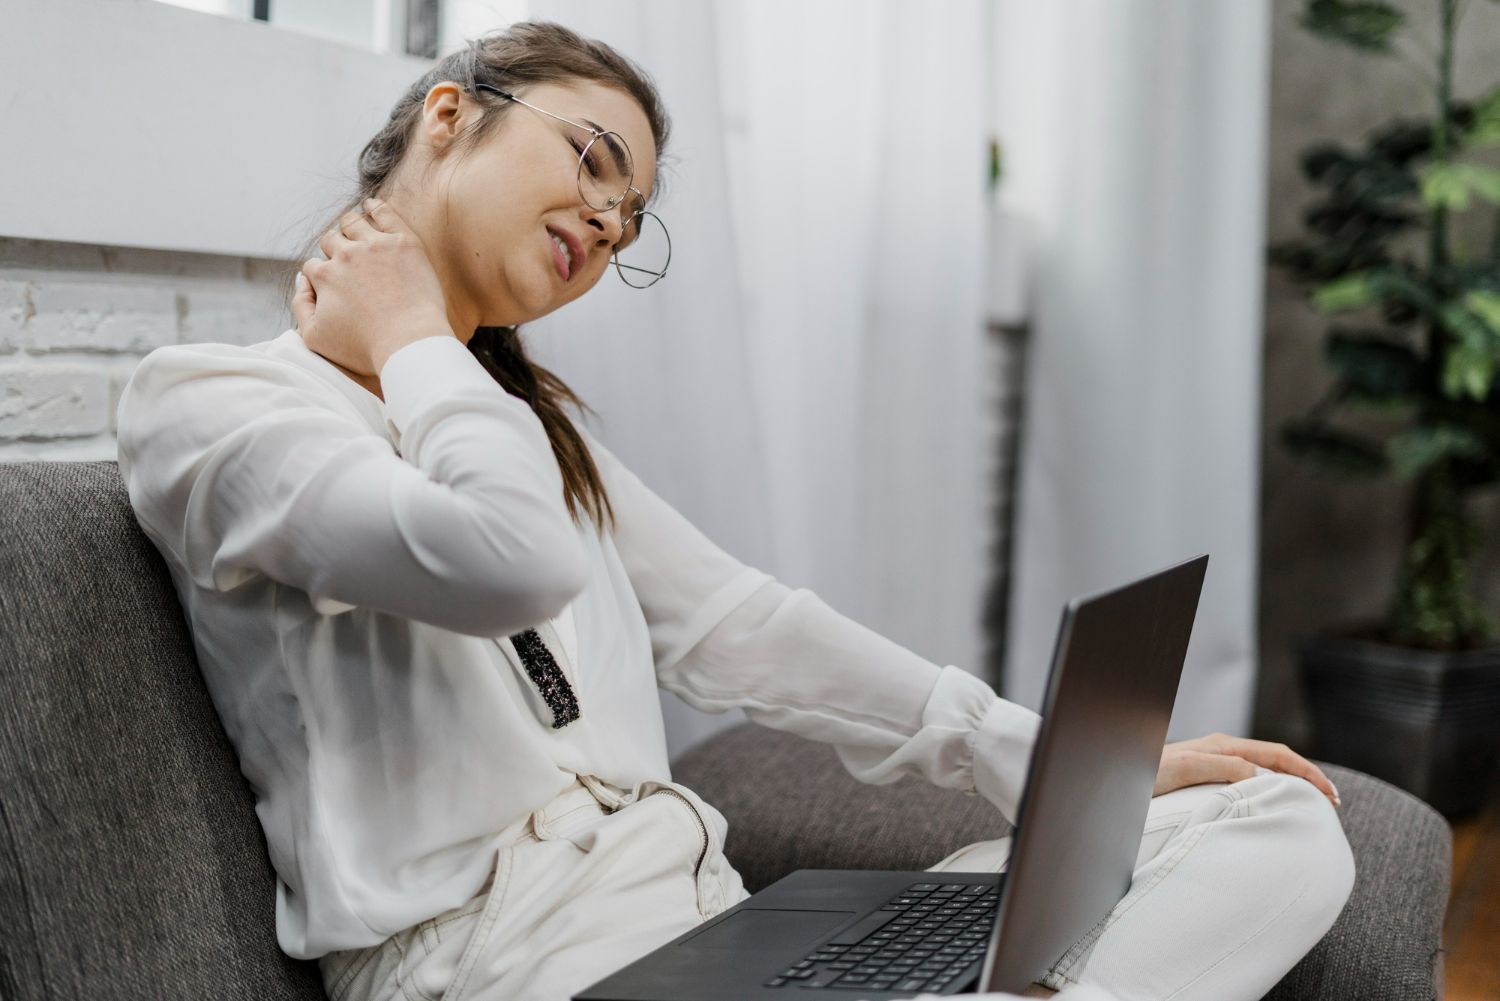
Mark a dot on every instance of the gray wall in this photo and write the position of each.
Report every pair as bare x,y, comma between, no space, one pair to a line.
1329,547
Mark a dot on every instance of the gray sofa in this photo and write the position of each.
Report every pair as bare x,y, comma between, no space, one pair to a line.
132,866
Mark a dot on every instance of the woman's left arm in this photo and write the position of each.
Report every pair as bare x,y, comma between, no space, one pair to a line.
724,634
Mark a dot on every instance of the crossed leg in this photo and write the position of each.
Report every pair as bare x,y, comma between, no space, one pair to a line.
1233,884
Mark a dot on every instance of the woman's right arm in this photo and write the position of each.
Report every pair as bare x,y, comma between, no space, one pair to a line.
240,464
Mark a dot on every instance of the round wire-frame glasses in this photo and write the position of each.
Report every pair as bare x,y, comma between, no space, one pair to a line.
606,172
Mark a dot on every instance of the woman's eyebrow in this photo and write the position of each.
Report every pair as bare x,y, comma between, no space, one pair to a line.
615,152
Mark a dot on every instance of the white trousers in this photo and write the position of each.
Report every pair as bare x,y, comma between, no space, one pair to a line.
1233,884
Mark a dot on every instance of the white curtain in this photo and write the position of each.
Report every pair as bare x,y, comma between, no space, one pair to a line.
804,385
1135,133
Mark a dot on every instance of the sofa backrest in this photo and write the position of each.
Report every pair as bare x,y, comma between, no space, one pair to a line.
131,861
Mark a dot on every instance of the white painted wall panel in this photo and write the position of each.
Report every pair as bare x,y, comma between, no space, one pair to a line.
140,124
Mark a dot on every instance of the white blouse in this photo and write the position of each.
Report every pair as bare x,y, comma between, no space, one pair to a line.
351,568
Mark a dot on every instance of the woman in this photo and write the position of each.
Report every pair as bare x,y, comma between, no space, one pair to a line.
433,612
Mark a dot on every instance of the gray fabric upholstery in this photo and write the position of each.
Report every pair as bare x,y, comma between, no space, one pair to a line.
132,865
1386,944
131,862
791,805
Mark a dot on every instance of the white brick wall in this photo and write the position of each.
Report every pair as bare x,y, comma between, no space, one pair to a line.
75,321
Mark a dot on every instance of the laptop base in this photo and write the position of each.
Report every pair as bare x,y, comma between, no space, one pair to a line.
736,954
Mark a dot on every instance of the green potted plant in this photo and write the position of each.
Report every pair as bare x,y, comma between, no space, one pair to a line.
1414,349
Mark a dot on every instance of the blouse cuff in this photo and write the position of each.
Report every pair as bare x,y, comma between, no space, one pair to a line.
428,371
1002,749
970,739
430,376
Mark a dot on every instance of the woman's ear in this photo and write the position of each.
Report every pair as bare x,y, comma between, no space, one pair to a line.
446,112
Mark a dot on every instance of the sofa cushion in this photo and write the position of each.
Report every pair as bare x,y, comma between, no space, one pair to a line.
131,862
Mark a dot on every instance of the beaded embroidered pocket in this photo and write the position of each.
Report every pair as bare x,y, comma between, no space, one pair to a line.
548,678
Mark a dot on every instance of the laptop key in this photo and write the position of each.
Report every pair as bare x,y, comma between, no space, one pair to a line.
911,985
776,981
822,979
857,932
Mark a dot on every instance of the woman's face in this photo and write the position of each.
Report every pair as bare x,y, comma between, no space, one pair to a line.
489,218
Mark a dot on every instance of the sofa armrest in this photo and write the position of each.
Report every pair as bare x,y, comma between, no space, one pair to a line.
791,805
1387,943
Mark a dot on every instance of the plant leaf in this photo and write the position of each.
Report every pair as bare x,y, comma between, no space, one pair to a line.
1486,306
1443,186
1485,132
1469,367
1486,136
1468,371
1374,367
1326,162
1367,25
1487,108
1338,451
1414,449
1482,180
1394,285
1349,292
1401,140
1466,326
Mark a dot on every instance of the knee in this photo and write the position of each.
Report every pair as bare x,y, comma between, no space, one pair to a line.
1311,845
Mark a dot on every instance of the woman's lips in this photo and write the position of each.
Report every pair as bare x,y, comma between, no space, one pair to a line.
559,258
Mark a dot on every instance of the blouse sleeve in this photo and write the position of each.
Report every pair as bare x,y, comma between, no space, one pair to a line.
239,464
724,635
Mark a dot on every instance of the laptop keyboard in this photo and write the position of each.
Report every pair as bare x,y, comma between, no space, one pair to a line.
919,940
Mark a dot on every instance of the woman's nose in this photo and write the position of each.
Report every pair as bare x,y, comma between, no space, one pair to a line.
609,223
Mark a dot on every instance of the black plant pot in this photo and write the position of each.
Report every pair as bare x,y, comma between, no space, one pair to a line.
1428,722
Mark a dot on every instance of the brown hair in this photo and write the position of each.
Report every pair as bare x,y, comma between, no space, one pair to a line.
528,52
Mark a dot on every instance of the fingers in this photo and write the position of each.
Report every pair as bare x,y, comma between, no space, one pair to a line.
1206,766
356,225
303,301
352,225
1183,766
382,216
1277,757
1280,758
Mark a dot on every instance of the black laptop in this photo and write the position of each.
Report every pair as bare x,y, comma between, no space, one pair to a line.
880,934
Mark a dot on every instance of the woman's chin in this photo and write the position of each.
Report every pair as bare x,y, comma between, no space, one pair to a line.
523,309
536,302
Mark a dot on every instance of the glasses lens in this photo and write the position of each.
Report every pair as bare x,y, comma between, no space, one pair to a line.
645,250
605,171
